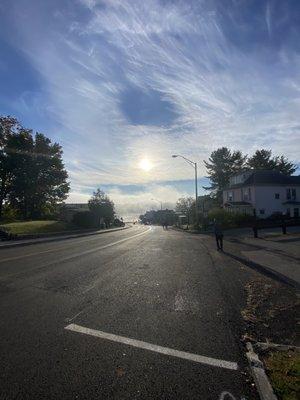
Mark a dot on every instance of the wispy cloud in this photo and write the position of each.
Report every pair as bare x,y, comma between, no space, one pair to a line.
128,79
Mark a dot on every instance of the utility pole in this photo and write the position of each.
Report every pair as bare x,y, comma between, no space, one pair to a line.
194,165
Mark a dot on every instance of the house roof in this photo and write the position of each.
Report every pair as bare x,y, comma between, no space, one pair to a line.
268,177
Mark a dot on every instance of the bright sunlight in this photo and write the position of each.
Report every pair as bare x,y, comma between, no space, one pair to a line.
145,164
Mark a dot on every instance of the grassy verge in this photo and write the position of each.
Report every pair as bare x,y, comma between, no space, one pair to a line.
271,311
283,369
36,227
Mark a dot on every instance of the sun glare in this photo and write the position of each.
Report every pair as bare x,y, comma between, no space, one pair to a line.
145,164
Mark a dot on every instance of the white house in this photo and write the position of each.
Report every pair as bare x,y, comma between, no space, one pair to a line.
263,193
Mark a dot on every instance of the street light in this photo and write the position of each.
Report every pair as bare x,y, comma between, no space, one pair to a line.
194,165
160,202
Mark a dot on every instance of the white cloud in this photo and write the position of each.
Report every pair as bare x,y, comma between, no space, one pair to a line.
222,96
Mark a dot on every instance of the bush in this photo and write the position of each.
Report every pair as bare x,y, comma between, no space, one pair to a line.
230,219
9,214
85,219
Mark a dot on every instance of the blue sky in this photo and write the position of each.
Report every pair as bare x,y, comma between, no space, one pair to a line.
118,81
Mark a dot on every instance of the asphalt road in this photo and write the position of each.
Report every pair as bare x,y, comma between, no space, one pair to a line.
67,310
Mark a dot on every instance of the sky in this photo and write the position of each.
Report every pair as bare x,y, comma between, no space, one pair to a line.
124,84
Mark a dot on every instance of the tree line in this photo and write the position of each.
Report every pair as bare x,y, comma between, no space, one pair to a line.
33,178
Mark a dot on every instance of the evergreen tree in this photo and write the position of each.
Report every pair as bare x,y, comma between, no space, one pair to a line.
262,159
221,164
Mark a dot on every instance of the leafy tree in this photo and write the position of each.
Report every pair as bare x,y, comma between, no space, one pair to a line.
39,176
8,125
32,174
262,159
221,164
102,207
186,206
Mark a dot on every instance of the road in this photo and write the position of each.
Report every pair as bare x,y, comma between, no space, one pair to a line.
133,314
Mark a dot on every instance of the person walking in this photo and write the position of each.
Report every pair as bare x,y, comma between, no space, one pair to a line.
219,235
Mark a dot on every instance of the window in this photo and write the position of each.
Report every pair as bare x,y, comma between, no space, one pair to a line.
293,194
230,196
288,194
245,194
296,212
262,211
277,196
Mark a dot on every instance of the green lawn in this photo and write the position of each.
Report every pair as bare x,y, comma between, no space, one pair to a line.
283,369
31,227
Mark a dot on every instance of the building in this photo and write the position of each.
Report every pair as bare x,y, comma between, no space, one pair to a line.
68,210
263,193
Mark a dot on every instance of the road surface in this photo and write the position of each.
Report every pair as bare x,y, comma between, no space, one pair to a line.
133,314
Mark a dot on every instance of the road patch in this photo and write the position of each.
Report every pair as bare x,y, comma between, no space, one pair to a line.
153,347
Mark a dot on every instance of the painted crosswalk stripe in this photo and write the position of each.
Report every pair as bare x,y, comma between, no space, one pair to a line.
153,347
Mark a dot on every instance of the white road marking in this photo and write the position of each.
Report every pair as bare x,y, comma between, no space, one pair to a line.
77,254
153,347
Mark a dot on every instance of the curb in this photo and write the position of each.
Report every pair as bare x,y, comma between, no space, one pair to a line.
251,264
261,380
57,239
265,270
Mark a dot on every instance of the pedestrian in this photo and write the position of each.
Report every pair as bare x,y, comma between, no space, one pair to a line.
219,235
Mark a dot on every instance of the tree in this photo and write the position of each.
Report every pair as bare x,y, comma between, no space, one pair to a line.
262,159
39,176
186,206
102,207
221,164
8,125
285,166
32,174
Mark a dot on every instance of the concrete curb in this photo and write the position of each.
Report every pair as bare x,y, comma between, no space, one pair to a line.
265,270
40,240
251,264
261,380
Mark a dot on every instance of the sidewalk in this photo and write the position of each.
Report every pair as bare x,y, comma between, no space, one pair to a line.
52,238
278,255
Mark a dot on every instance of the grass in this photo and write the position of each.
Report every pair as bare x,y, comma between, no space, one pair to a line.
283,369
32,227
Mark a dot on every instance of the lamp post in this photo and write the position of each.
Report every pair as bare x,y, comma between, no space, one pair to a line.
194,165
160,202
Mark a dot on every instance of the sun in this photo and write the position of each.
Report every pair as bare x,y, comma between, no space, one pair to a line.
145,164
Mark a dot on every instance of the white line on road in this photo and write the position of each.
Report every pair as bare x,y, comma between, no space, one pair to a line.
153,347
75,254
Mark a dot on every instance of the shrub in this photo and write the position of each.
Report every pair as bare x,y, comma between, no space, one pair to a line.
230,219
85,219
